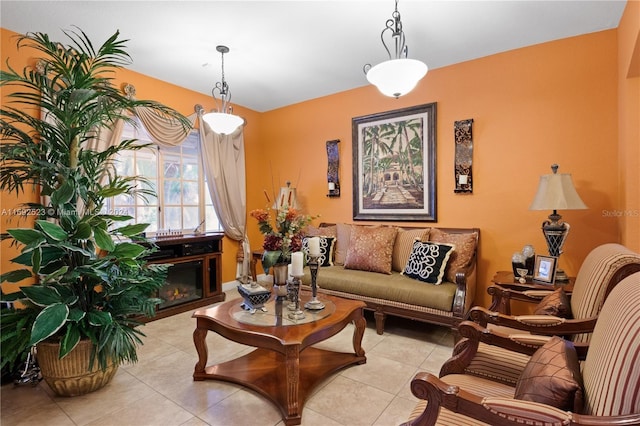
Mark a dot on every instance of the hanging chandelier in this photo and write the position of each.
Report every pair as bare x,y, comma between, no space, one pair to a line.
399,75
223,121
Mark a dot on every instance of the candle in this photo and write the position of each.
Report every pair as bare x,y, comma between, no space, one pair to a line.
289,270
332,186
296,264
314,246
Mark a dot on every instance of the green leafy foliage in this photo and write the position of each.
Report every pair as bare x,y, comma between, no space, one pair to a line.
88,276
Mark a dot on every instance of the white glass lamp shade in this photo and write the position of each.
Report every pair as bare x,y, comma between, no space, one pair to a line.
222,123
556,192
397,77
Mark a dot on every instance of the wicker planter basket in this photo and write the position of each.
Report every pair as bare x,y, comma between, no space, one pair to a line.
70,376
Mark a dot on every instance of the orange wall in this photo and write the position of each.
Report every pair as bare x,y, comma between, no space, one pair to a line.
9,202
550,103
176,97
628,126
556,102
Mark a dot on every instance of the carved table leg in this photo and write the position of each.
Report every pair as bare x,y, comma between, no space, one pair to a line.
292,354
199,336
360,325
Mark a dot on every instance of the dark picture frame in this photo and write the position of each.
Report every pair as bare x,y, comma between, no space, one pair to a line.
394,165
544,270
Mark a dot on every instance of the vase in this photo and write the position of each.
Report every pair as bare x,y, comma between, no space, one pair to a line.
70,376
280,275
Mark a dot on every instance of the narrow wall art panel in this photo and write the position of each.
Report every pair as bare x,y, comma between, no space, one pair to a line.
333,164
463,131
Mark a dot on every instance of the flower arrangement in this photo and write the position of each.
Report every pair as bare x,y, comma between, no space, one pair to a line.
282,239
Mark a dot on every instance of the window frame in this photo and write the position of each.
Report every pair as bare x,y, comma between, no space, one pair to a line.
137,131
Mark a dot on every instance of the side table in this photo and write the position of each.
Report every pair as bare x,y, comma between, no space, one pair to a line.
506,287
256,256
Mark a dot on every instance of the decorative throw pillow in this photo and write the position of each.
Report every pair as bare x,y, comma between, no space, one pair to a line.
343,232
428,261
326,250
404,244
370,248
465,245
322,231
552,376
556,304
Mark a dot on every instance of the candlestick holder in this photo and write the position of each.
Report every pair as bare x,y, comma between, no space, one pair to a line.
290,290
280,274
314,304
294,296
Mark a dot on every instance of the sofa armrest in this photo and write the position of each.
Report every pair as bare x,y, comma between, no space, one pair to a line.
465,276
466,289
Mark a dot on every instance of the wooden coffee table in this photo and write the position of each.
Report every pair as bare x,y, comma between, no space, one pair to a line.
284,368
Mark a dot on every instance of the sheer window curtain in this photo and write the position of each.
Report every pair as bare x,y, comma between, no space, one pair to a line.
223,162
224,165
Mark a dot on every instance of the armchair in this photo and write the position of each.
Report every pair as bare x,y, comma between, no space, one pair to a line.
609,380
502,350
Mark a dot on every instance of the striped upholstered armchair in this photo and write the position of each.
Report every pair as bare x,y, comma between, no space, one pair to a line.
553,388
499,346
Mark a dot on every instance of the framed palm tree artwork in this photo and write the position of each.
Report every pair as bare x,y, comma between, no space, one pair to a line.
394,165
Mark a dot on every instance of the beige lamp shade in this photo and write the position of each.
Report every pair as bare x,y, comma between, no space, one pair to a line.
557,192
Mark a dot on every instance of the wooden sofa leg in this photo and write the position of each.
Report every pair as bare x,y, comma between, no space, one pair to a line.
380,318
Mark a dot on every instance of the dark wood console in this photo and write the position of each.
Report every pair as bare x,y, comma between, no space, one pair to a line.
195,277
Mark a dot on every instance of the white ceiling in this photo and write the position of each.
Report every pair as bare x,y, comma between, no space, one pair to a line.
284,52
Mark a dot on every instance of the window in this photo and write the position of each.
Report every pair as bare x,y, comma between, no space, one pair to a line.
176,175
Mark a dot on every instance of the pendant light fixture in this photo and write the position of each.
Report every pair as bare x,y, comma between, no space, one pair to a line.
399,75
223,121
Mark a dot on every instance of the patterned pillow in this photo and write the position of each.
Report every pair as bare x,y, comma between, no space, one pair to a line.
465,245
326,250
370,248
324,231
404,244
428,261
556,304
552,376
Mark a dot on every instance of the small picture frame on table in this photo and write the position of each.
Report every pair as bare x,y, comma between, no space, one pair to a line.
544,270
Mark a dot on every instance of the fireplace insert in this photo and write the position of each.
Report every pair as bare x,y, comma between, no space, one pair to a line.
184,283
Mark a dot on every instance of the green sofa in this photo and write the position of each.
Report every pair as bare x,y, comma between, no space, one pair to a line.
397,294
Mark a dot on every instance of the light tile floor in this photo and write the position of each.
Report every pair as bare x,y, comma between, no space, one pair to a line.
159,389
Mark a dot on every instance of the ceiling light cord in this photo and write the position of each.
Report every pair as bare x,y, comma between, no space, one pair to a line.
222,87
397,35
223,121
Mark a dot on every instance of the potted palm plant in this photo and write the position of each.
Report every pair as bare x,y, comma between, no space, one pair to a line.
87,279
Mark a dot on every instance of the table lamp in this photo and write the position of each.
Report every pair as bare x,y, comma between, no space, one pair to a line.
556,192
